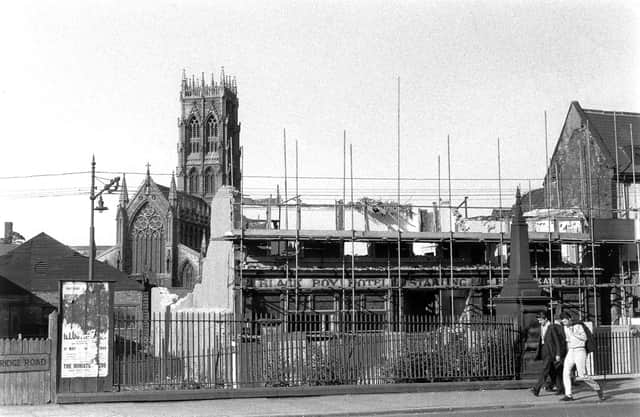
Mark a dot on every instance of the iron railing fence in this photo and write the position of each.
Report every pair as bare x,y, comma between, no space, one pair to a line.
206,350
617,351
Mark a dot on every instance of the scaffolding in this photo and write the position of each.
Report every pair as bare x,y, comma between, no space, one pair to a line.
447,272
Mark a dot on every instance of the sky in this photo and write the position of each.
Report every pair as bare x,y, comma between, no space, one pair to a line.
102,78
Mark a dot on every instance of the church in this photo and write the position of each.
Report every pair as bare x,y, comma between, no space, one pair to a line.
163,232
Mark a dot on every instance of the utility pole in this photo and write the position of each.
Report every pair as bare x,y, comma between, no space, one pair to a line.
109,188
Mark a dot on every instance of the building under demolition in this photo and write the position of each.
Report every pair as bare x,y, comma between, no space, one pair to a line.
374,256
372,265
202,243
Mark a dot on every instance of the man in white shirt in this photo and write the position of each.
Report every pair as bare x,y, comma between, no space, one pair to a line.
576,356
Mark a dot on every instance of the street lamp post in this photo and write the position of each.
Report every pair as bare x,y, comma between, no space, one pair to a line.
109,188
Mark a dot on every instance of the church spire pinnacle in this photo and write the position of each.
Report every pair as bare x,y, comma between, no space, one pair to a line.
173,193
147,181
124,193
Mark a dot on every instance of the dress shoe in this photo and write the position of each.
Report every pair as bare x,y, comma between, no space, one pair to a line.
534,391
566,398
601,396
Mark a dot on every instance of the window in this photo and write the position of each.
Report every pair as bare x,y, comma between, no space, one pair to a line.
147,241
374,302
193,181
194,129
187,276
209,181
193,136
212,134
324,302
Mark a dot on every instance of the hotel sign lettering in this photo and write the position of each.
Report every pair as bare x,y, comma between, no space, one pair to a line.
420,283
361,283
317,283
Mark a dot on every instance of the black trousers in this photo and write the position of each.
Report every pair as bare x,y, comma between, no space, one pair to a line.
548,369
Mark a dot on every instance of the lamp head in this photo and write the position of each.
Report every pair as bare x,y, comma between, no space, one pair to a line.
101,207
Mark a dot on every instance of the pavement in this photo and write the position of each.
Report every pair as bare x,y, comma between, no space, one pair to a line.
619,392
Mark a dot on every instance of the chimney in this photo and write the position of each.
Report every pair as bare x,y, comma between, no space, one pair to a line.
8,231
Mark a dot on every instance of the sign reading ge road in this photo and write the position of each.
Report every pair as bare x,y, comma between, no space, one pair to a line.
24,362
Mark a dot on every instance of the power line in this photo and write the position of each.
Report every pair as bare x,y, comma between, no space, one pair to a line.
308,177
57,174
280,177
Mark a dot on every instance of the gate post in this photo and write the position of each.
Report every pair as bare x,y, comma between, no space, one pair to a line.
53,355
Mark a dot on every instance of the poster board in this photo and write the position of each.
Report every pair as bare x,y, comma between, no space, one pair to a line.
85,335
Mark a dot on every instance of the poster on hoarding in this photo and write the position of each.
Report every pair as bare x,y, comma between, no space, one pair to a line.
85,329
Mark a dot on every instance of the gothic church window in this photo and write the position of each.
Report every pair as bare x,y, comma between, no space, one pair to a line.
147,241
193,180
193,136
209,183
212,133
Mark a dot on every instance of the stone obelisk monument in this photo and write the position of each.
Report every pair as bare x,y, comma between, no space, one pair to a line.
521,296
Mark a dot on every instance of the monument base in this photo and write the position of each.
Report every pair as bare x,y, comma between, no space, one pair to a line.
524,309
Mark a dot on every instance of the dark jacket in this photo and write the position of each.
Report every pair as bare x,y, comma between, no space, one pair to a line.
554,343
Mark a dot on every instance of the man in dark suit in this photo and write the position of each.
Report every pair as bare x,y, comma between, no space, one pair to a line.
552,349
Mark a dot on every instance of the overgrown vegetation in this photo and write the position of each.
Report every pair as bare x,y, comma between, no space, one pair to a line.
453,357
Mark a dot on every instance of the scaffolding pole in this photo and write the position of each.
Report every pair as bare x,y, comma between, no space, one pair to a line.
241,235
389,286
439,228
623,312
353,240
286,197
297,284
591,236
450,229
500,215
490,292
583,204
555,167
344,201
615,139
548,199
635,199
286,225
398,217
278,200
439,219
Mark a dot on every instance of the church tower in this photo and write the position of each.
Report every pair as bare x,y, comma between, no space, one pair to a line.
209,136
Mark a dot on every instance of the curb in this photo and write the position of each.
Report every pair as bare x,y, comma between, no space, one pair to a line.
430,410
215,394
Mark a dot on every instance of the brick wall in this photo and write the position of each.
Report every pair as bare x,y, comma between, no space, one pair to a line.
568,176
